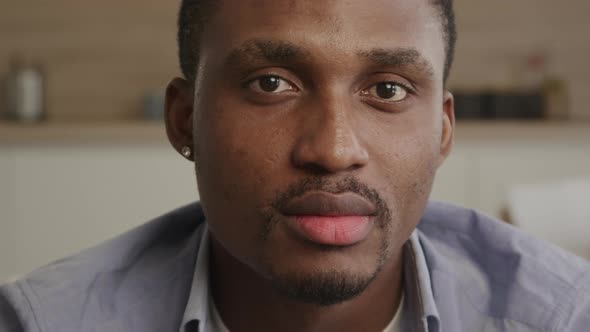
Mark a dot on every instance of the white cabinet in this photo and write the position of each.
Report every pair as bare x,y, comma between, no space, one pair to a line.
501,166
7,214
59,199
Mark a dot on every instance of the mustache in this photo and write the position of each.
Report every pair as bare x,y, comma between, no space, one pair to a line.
348,184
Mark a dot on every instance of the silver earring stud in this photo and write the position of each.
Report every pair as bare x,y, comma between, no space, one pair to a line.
186,151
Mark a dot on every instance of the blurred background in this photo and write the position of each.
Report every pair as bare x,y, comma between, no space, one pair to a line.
83,153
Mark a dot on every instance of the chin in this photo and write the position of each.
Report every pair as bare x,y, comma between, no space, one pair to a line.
323,288
323,275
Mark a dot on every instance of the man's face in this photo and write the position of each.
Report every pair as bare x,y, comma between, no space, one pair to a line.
318,128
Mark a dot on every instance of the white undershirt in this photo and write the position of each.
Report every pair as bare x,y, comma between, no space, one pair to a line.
217,325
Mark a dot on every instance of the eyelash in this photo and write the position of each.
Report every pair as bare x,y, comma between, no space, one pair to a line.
410,89
406,86
246,84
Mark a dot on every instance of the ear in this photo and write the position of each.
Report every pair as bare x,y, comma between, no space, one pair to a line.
448,126
179,114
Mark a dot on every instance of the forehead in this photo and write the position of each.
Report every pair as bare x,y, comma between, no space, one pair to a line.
333,28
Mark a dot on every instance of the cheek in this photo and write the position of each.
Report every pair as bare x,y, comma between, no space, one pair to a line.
231,172
243,143
241,161
411,161
231,158
409,175
406,167
242,167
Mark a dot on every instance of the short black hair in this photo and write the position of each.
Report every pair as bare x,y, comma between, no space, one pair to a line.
194,14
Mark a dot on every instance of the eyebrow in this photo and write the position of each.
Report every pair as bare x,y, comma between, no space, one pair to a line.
277,51
271,50
399,57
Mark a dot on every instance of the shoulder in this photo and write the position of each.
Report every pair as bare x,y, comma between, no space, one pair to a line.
503,273
126,274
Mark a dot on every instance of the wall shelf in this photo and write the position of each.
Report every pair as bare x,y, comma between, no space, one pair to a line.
83,133
494,132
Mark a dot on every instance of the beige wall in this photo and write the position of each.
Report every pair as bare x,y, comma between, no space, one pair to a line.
102,56
496,36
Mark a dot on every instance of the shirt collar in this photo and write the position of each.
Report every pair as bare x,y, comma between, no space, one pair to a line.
197,306
421,314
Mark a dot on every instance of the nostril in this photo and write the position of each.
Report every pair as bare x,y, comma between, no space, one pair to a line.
324,167
316,169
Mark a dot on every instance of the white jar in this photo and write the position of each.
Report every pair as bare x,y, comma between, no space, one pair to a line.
25,93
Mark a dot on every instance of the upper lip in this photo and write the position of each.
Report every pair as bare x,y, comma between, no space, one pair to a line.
320,203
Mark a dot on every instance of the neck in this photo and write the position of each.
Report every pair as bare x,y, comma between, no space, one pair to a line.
248,302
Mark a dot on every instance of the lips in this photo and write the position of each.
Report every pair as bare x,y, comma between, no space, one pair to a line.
330,219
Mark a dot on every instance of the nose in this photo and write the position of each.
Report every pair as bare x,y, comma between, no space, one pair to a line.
329,141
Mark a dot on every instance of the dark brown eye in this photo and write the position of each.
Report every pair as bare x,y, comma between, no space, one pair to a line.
270,84
388,91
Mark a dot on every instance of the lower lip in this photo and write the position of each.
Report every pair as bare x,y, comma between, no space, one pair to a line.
335,231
